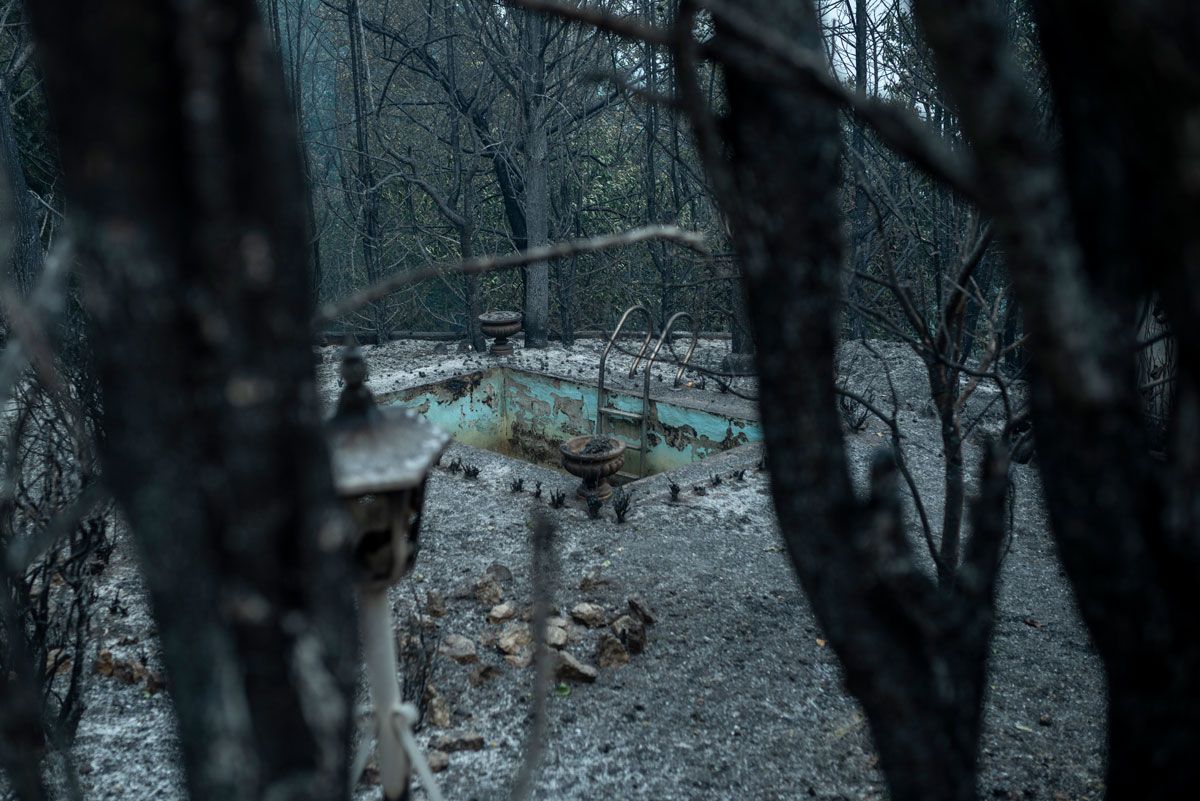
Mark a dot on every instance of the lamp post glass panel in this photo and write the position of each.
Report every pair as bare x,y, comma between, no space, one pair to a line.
381,461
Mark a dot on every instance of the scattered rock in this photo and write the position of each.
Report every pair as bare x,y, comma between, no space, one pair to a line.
552,616
631,631
556,636
520,659
514,638
571,669
438,760
459,648
128,671
488,591
435,604
482,674
462,741
640,609
1045,720
499,572
591,615
501,613
437,711
155,682
592,580
610,653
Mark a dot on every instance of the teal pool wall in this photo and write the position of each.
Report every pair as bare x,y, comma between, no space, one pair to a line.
528,415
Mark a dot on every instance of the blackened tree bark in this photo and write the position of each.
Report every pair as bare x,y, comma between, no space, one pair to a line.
185,189
914,653
22,727
25,248
536,178
860,223
1091,230
364,172
742,332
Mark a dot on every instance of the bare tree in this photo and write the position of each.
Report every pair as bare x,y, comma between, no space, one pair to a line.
185,187
1093,227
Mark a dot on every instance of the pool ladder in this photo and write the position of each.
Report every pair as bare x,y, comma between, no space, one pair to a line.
606,412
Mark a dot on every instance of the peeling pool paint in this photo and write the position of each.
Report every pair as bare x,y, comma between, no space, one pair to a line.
527,414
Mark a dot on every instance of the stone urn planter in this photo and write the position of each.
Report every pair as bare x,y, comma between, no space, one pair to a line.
593,459
500,325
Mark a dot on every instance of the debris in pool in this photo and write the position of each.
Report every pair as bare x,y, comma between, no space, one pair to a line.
594,505
597,445
621,503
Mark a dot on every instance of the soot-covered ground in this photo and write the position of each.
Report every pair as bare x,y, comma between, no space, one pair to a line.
734,694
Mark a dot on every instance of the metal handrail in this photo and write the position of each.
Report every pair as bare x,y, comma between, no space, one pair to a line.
658,346
637,360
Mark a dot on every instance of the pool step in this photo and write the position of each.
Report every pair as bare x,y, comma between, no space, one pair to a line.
612,411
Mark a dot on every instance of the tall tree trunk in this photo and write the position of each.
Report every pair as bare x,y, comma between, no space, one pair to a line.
537,190
184,185
25,248
914,654
364,174
859,223
742,332
1092,230
466,251
293,70
943,383
22,727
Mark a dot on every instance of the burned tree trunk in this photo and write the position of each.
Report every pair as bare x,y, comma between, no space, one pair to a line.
25,247
1091,231
364,172
914,653
536,175
185,189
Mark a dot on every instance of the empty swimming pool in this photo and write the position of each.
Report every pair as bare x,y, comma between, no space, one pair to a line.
527,415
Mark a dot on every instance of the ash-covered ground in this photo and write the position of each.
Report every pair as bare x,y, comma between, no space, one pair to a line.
734,694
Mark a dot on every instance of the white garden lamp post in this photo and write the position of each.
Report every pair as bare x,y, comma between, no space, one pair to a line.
381,460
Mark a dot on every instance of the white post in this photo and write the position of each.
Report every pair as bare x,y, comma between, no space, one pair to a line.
379,649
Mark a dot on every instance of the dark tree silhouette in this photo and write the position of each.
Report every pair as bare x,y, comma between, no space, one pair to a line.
185,189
